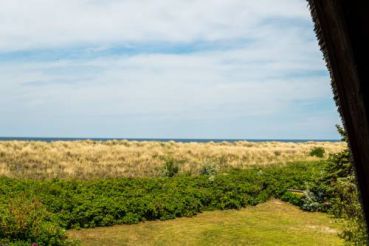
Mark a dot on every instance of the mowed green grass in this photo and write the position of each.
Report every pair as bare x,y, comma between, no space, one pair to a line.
270,223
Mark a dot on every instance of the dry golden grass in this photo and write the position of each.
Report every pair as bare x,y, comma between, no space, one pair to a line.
98,159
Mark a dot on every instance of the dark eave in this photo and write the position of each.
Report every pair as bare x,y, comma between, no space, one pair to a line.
342,28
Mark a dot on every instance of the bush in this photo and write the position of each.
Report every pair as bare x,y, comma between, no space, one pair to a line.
292,198
91,203
336,192
171,168
25,220
318,152
208,170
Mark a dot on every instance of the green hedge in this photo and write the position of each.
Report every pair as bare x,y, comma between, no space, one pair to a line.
82,204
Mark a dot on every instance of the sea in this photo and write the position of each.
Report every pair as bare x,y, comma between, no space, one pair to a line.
181,140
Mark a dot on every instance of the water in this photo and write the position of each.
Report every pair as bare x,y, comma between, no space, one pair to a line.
182,140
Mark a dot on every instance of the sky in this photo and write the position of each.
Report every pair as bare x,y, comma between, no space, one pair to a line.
162,69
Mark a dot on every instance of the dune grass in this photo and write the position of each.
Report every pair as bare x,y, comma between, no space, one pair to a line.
270,223
110,159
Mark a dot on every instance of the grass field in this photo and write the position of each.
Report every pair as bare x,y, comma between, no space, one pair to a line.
97,159
88,184
271,223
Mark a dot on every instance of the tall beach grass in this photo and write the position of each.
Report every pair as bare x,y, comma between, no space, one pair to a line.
120,158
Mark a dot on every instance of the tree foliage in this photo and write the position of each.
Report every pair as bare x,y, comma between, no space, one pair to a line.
336,192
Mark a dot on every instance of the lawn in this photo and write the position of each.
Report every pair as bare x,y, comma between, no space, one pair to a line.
270,223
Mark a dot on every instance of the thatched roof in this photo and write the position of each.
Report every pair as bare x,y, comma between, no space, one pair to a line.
342,28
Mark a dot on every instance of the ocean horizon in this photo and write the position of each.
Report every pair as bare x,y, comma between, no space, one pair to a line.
183,140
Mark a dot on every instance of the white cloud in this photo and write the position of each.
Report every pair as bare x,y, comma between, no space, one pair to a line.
54,23
234,91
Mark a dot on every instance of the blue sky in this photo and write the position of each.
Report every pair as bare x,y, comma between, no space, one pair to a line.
162,69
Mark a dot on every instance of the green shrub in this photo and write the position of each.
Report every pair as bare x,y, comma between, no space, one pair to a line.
91,203
336,192
25,220
171,167
318,152
292,198
208,170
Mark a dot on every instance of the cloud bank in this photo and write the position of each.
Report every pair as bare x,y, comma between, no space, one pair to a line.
162,69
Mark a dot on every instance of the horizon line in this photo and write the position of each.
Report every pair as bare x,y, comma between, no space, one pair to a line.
166,139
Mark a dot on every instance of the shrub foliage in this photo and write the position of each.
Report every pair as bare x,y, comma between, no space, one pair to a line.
336,192
57,204
26,220
318,152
